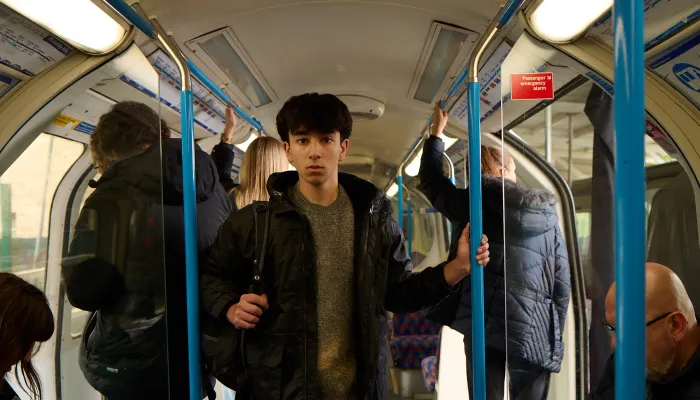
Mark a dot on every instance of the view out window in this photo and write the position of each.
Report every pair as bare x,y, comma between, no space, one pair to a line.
27,190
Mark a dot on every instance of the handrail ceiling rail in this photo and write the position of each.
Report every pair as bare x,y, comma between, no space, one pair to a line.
133,16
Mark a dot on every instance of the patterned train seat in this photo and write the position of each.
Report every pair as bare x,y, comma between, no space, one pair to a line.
414,338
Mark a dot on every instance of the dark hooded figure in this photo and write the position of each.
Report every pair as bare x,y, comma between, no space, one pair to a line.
128,241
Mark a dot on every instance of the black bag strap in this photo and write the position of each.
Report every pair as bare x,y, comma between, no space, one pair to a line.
261,225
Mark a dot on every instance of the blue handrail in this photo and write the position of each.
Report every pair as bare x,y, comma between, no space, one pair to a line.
399,198
509,12
191,250
475,200
476,230
130,15
221,95
409,236
630,192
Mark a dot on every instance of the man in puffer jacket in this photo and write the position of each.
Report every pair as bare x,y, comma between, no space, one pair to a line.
129,239
535,288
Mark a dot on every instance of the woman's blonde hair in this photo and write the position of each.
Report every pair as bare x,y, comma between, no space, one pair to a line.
492,160
264,157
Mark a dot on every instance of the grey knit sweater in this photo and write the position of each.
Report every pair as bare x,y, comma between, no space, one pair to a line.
332,228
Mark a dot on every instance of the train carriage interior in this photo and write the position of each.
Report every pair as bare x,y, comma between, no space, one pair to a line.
65,63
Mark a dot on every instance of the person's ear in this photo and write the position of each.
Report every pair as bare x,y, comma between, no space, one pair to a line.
344,146
678,326
287,148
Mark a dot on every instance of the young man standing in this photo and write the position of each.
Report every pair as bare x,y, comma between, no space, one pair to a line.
335,264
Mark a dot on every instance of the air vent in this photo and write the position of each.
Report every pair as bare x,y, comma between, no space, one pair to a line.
363,108
224,55
360,116
446,49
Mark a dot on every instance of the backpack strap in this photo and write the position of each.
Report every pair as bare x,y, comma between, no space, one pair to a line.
262,224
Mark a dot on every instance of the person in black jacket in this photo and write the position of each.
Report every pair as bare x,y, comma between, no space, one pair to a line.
129,239
25,320
532,256
223,154
672,340
334,264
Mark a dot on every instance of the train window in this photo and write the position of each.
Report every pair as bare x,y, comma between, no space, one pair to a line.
672,229
27,189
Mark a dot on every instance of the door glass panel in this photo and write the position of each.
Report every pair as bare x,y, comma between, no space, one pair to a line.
535,301
113,268
27,189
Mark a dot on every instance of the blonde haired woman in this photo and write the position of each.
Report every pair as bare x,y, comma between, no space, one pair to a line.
264,157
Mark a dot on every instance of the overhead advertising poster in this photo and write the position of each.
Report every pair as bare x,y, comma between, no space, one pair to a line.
7,83
490,76
209,111
79,119
680,67
662,19
27,47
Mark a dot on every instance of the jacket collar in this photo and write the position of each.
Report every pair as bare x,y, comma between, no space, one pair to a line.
363,194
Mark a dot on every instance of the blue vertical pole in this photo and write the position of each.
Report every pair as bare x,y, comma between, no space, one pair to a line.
409,237
630,193
477,274
191,267
399,181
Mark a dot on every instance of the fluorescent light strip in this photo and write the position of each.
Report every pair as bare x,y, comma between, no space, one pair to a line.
393,189
79,22
244,146
561,21
414,166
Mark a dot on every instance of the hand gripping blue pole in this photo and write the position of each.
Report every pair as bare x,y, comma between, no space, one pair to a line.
475,232
630,217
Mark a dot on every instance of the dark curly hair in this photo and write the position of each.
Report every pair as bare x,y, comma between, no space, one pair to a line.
313,112
128,126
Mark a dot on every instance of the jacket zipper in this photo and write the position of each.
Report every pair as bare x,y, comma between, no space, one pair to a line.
305,280
372,377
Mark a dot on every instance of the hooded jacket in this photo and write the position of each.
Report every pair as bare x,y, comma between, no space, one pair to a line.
281,352
132,227
536,285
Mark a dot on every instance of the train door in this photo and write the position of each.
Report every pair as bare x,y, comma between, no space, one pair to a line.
31,189
98,346
50,224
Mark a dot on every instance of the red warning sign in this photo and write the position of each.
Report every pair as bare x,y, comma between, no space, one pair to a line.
539,86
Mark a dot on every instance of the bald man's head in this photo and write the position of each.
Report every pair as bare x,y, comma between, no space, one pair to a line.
664,292
669,316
